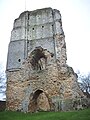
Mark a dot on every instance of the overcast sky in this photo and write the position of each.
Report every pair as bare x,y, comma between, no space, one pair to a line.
75,21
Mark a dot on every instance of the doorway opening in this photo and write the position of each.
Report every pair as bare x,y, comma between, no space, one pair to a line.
39,102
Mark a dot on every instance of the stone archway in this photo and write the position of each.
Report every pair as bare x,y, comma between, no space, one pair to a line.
39,57
39,102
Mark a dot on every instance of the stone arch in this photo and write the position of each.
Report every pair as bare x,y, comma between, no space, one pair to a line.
38,58
39,101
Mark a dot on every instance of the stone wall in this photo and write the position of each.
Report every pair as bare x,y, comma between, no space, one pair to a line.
38,77
2,105
36,28
42,89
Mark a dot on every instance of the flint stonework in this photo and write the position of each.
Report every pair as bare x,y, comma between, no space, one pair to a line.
38,78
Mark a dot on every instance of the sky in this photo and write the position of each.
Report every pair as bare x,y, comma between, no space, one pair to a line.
75,22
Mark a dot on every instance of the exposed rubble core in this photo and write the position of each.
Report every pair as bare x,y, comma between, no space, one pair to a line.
38,78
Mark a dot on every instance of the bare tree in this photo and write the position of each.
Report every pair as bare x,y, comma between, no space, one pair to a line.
2,82
84,82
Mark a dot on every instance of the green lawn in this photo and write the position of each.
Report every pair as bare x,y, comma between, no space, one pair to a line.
74,115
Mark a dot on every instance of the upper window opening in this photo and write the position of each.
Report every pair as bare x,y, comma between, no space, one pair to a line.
19,60
33,28
42,26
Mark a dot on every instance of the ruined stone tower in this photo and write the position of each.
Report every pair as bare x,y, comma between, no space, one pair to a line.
38,77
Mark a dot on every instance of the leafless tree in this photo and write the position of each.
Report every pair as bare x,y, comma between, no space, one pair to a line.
84,82
2,81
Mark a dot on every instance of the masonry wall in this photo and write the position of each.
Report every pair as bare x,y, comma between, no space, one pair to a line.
39,80
2,105
36,28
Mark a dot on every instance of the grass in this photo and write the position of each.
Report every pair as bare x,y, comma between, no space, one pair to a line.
73,115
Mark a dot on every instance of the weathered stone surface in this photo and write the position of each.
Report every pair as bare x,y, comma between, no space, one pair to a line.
38,77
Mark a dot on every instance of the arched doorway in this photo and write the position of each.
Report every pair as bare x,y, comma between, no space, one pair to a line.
39,102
